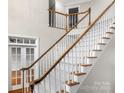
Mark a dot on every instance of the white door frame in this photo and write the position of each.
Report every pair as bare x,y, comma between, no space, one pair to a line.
73,6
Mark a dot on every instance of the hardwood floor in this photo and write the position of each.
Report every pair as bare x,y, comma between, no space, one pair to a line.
16,91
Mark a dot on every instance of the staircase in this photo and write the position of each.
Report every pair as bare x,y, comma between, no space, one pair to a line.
66,64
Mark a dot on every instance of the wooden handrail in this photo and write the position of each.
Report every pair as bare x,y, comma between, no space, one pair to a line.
68,49
50,10
54,44
89,11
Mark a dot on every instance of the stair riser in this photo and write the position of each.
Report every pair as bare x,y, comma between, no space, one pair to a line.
105,41
99,47
112,30
109,35
85,69
72,89
79,78
96,53
91,60
74,60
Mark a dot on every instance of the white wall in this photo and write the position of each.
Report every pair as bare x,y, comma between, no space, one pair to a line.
98,6
30,18
102,76
60,6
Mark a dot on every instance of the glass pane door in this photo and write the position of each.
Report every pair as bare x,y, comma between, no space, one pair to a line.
20,57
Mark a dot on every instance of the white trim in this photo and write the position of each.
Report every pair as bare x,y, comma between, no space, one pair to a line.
23,36
74,6
28,45
76,2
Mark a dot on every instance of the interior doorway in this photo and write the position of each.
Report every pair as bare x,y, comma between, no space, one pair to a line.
73,19
22,51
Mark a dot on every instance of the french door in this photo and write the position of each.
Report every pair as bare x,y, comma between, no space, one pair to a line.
19,57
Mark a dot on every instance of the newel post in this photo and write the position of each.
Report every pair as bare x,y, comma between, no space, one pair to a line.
89,15
66,28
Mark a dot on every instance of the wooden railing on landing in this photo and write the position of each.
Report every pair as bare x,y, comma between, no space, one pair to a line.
33,83
62,20
68,30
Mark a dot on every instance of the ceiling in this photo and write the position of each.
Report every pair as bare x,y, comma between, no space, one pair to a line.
69,2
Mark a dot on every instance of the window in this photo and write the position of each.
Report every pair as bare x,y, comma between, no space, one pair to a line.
22,41
19,40
12,40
